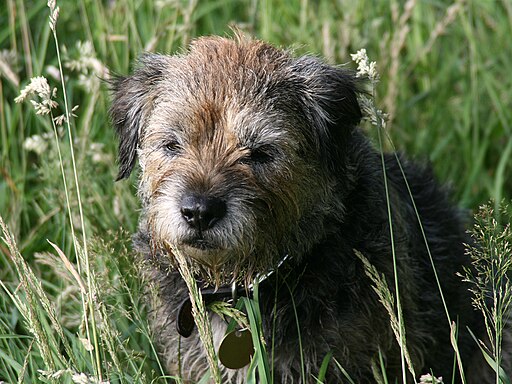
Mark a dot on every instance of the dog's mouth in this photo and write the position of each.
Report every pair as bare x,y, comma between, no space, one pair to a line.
200,244
209,256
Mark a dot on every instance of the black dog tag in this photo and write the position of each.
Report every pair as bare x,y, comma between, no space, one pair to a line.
184,319
236,349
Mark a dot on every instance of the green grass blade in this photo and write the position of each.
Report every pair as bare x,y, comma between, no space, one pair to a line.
260,355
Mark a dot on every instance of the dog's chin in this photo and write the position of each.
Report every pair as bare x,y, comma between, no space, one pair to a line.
216,265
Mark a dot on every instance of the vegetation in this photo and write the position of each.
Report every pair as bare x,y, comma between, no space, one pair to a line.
444,82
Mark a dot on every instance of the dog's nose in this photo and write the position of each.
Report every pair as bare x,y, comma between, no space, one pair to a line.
202,212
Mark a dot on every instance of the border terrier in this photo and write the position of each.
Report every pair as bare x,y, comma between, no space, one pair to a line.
252,164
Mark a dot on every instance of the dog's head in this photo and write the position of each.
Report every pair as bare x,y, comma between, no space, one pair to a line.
239,145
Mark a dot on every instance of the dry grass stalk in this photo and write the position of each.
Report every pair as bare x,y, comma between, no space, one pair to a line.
396,45
199,312
387,299
35,297
440,29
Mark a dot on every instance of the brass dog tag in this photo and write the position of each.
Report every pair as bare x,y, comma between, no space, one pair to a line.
236,349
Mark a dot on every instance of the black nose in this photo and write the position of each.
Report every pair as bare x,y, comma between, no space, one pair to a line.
202,212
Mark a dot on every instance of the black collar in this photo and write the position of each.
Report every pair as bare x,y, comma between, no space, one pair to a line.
184,318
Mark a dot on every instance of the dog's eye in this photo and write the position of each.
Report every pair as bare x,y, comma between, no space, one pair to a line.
260,155
172,147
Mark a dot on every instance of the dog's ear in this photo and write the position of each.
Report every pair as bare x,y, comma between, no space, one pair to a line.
329,96
132,100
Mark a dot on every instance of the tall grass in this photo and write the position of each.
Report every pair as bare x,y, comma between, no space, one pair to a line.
444,78
491,284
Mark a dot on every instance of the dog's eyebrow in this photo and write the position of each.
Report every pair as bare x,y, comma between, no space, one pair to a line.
264,137
255,129
162,131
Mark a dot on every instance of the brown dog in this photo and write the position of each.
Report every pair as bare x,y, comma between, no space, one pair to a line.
251,161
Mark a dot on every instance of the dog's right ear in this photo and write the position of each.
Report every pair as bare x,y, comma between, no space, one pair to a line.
329,97
132,100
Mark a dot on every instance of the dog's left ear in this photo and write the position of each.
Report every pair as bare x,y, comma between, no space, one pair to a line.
131,103
330,99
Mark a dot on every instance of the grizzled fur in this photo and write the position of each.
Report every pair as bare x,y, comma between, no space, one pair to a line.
273,140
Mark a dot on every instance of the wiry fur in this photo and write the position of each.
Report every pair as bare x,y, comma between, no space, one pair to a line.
276,138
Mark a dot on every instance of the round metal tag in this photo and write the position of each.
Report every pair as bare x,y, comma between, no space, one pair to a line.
236,349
